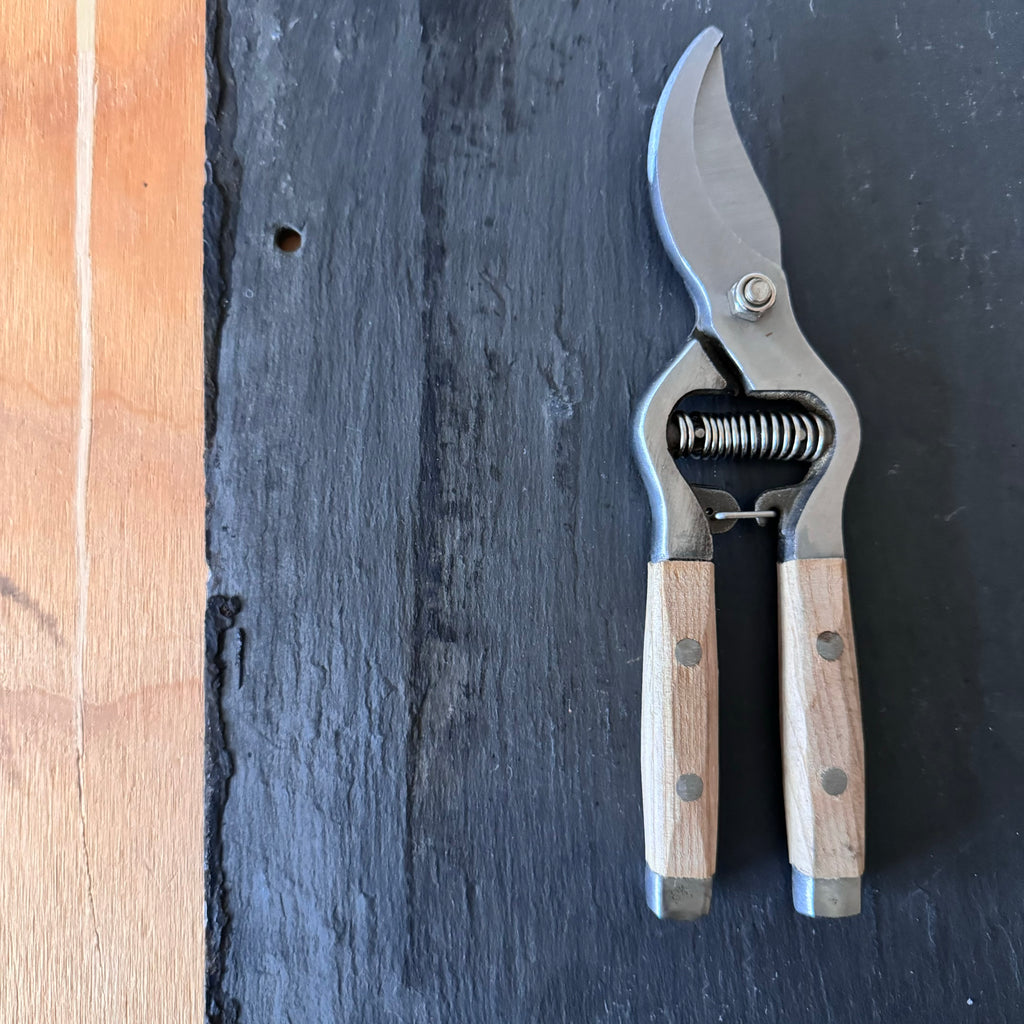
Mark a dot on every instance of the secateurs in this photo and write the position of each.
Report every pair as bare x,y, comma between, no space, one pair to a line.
719,229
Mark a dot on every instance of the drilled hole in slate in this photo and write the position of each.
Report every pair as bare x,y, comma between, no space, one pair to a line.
287,239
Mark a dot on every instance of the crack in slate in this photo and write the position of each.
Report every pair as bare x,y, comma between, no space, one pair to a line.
220,215
220,197
426,570
221,613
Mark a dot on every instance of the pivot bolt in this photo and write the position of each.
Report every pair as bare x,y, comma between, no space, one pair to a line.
752,296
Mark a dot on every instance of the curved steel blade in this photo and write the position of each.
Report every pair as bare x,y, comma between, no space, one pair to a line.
704,189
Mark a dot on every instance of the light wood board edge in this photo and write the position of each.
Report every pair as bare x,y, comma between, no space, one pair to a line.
102,571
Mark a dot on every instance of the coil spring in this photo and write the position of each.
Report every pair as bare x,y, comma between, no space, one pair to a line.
800,437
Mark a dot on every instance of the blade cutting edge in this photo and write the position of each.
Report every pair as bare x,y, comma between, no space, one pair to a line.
695,150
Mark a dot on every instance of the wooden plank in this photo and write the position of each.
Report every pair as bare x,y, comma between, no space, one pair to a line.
101,552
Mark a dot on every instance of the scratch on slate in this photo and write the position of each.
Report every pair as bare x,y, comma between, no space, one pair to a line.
85,24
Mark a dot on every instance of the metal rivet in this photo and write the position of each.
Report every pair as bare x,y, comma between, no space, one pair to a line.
752,295
830,645
834,781
688,652
690,787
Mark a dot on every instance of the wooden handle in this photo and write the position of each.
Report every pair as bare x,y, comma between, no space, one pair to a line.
822,741
679,722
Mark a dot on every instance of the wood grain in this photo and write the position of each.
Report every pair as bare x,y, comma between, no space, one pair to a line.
101,552
821,720
422,491
679,720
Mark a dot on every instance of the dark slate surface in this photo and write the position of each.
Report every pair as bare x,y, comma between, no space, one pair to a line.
428,541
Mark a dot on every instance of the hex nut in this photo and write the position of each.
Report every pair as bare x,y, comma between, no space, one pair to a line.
752,296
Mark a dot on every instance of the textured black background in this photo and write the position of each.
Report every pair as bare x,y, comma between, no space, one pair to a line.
428,541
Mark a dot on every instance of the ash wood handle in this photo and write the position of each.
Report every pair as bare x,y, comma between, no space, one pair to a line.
679,737
822,739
